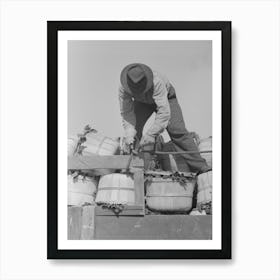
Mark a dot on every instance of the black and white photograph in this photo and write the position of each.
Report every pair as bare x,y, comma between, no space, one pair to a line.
140,140
132,140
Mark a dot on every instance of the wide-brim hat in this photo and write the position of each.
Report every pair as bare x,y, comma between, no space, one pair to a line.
137,77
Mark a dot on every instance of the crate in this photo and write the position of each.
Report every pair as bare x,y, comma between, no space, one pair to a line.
84,224
93,222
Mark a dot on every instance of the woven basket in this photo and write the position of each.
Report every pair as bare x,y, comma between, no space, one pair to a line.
97,144
116,189
204,188
165,195
81,190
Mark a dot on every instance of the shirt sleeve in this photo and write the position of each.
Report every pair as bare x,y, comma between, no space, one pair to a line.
127,113
163,109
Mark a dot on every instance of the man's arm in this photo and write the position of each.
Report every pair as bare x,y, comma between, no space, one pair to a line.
127,113
163,109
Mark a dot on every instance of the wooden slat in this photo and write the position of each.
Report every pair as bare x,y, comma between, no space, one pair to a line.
139,187
100,162
152,227
74,222
88,223
131,210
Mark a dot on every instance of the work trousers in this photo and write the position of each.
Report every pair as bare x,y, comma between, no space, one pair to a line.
181,138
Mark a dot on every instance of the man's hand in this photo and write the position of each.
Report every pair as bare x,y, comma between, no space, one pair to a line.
129,140
147,139
126,145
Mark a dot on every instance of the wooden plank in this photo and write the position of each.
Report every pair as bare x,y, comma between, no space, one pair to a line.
100,162
137,162
148,159
131,210
88,222
74,222
151,227
139,187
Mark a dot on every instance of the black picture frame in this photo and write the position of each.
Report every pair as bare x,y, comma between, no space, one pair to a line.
52,129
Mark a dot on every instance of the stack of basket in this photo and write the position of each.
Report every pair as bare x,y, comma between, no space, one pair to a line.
167,194
100,186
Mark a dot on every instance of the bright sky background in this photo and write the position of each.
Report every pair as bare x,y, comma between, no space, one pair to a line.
94,73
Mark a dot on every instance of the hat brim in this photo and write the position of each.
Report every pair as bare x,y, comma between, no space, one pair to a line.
148,73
